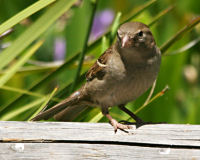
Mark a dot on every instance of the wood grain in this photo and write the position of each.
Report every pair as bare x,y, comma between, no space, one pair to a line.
164,134
60,140
59,151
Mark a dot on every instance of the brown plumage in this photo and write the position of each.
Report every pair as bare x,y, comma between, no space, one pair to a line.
121,74
96,71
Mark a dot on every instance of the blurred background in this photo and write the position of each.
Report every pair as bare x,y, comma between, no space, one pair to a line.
24,92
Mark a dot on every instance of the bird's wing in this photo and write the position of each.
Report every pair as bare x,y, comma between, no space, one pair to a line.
98,68
96,71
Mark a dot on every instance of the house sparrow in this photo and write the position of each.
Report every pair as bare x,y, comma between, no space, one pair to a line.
120,75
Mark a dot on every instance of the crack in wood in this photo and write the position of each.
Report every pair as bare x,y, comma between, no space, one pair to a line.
184,139
101,142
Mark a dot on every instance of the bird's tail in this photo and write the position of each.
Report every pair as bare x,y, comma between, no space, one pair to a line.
70,113
73,100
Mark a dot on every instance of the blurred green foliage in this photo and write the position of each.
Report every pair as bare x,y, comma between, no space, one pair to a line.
180,71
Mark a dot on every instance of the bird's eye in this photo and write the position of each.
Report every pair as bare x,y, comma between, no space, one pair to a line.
140,34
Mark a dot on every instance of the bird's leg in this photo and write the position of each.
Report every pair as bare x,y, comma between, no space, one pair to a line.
116,125
139,122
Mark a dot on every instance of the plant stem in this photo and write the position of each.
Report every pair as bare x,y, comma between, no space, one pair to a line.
140,10
179,34
85,46
152,99
160,15
150,93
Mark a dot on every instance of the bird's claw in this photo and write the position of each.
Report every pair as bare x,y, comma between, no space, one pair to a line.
116,125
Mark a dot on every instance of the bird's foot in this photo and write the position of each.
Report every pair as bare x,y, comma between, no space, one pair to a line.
116,125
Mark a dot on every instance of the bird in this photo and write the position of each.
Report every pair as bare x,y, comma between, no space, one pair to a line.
125,71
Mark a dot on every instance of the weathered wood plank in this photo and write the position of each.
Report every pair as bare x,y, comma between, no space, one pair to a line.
161,134
52,151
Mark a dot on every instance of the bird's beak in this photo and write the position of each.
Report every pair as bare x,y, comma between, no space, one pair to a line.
125,40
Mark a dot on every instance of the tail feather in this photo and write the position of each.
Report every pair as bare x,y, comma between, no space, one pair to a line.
72,100
70,113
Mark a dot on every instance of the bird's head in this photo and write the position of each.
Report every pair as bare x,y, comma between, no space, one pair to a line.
135,35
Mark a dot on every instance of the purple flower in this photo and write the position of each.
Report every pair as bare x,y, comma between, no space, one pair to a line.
59,48
102,20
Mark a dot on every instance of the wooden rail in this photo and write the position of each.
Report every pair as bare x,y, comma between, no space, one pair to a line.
59,140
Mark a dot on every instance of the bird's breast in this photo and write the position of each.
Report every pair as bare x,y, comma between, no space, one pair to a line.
122,85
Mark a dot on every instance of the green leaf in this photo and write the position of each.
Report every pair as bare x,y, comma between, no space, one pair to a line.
41,82
23,91
44,104
160,15
85,45
15,112
24,14
13,68
179,34
26,70
34,31
185,47
51,75
115,26
97,117
140,10
159,94
104,44
147,102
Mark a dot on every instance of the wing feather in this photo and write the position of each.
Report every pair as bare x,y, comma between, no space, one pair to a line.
98,69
